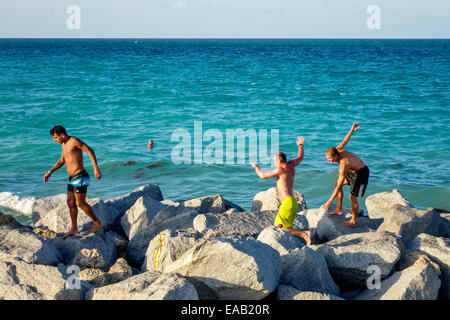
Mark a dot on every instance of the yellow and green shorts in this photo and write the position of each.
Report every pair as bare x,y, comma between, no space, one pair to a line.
287,212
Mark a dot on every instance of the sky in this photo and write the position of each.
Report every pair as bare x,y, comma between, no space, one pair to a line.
224,19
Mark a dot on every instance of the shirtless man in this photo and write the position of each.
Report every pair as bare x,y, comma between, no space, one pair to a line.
285,172
352,171
72,156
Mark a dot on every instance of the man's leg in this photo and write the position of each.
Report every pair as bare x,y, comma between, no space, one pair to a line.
83,205
355,207
306,235
339,197
73,214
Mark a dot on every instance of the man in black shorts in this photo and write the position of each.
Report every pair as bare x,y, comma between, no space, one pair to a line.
352,171
72,156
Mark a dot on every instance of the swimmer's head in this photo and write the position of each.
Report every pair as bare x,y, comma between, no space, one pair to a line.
278,158
59,134
150,144
332,155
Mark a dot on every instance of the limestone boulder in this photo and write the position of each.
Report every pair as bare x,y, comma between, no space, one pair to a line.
418,282
269,200
280,240
26,245
120,271
72,246
89,258
330,227
415,258
44,205
349,256
9,220
438,249
306,270
242,224
289,293
140,215
410,222
124,202
25,281
58,219
230,268
167,247
150,285
379,203
206,204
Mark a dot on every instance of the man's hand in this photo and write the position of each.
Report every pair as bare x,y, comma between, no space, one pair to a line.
254,165
46,176
326,206
300,140
98,174
355,126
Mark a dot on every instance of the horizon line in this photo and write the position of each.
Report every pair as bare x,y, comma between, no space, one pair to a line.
222,38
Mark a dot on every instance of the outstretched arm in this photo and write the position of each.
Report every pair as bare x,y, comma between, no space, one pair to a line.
266,175
57,165
295,162
355,127
83,146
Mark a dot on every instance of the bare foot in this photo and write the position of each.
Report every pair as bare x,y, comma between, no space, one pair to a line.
335,212
95,227
307,237
349,223
70,233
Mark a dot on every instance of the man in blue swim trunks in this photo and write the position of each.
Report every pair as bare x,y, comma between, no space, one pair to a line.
72,156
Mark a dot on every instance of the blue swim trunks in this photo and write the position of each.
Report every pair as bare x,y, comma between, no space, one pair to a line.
79,182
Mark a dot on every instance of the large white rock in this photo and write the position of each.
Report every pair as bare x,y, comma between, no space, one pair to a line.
280,240
26,245
379,203
269,200
72,246
58,219
233,269
349,257
289,293
414,283
124,202
330,227
242,224
438,249
306,270
140,215
167,247
44,205
410,222
206,204
150,285
24,281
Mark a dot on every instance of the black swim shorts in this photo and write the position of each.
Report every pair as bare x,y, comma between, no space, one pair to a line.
358,181
79,182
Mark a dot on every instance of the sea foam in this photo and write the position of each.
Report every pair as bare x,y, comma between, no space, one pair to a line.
16,202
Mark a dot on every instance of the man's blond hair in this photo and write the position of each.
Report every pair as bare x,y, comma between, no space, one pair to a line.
332,151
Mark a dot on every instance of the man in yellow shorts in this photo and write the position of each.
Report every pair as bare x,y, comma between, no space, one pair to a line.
285,172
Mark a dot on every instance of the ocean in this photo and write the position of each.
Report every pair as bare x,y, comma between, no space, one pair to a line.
116,94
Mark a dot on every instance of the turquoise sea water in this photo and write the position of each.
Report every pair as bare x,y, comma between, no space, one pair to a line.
115,95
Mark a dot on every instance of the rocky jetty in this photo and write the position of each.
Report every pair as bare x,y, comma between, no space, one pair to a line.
208,248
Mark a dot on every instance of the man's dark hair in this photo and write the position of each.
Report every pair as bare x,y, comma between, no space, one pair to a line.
59,130
281,156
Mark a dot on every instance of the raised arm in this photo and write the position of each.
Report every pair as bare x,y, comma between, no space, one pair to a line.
57,165
83,146
295,162
355,127
266,175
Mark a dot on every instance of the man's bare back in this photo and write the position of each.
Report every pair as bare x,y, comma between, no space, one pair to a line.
285,181
351,161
